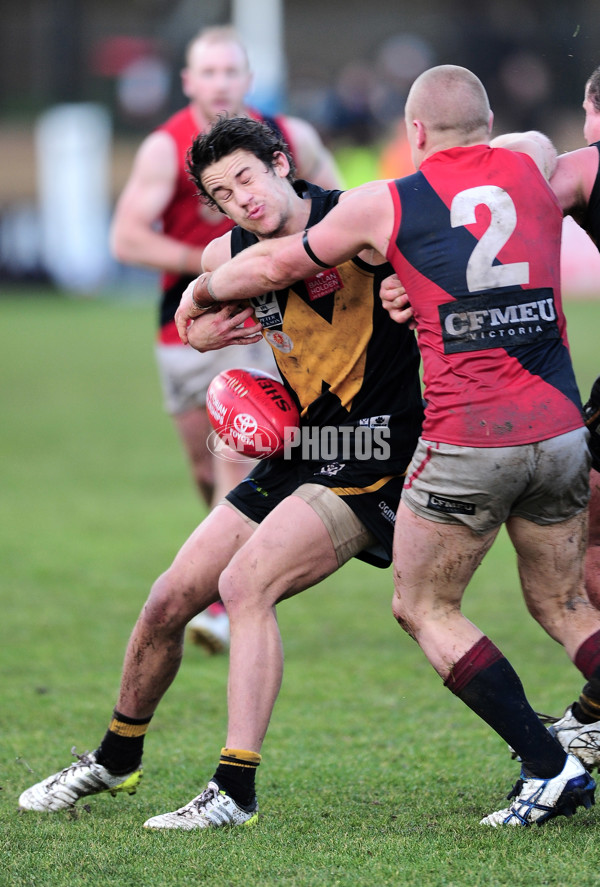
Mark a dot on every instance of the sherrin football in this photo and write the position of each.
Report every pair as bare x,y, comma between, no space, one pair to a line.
250,411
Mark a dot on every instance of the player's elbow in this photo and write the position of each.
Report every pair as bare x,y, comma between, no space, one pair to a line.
120,245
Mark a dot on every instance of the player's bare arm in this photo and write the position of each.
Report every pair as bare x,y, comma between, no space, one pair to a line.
134,236
534,143
232,323
199,296
573,180
357,223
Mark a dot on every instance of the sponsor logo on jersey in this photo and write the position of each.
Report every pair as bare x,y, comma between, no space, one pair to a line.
267,310
332,469
375,421
387,512
279,340
323,284
495,320
449,506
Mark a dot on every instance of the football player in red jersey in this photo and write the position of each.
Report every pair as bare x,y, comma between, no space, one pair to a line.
354,375
474,236
576,183
160,224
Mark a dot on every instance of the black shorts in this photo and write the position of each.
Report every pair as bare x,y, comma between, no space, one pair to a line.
372,495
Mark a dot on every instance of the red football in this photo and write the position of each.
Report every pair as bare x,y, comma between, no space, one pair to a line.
250,411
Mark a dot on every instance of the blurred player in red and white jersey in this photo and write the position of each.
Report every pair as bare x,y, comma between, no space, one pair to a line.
160,223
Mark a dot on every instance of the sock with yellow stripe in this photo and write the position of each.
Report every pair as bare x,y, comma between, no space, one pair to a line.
236,774
121,749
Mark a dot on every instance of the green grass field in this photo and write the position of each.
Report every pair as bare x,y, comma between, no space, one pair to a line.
372,774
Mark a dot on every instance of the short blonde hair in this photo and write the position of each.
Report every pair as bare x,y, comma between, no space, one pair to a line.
216,34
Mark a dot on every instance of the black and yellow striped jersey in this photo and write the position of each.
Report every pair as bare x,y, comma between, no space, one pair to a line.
340,355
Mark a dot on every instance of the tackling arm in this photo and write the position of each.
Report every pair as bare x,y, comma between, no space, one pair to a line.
247,274
362,219
232,323
537,145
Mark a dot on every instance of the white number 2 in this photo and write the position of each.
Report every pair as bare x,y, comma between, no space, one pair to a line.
481,272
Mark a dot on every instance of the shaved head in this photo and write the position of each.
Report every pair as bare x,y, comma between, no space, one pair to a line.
450,101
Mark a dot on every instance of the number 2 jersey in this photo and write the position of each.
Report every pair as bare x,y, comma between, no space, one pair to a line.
476,244
346,363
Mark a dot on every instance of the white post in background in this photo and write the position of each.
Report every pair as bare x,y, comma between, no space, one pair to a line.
73,145
260,25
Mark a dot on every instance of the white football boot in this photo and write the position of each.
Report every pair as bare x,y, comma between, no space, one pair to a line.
537,800
85,777
213,808
581,740
210,629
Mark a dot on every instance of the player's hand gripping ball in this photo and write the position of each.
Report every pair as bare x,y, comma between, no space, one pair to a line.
251,413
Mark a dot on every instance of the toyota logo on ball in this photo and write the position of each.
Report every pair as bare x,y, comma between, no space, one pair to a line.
245,424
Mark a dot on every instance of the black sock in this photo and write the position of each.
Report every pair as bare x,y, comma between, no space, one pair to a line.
486,681
236,774
122,747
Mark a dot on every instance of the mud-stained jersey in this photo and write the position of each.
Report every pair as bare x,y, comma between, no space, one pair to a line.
339,353
476,243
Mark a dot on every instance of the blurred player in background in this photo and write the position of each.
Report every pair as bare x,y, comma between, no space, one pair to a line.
354,373
159,223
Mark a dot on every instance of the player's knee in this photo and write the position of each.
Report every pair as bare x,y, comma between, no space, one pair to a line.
242,585
231,588
401,615
169,606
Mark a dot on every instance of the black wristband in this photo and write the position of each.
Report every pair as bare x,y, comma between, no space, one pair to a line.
310,253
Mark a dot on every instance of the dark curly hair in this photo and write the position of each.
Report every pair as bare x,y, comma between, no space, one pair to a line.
592,89
227,135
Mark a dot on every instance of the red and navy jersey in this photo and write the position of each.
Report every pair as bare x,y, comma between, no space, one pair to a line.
186,218
476,243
